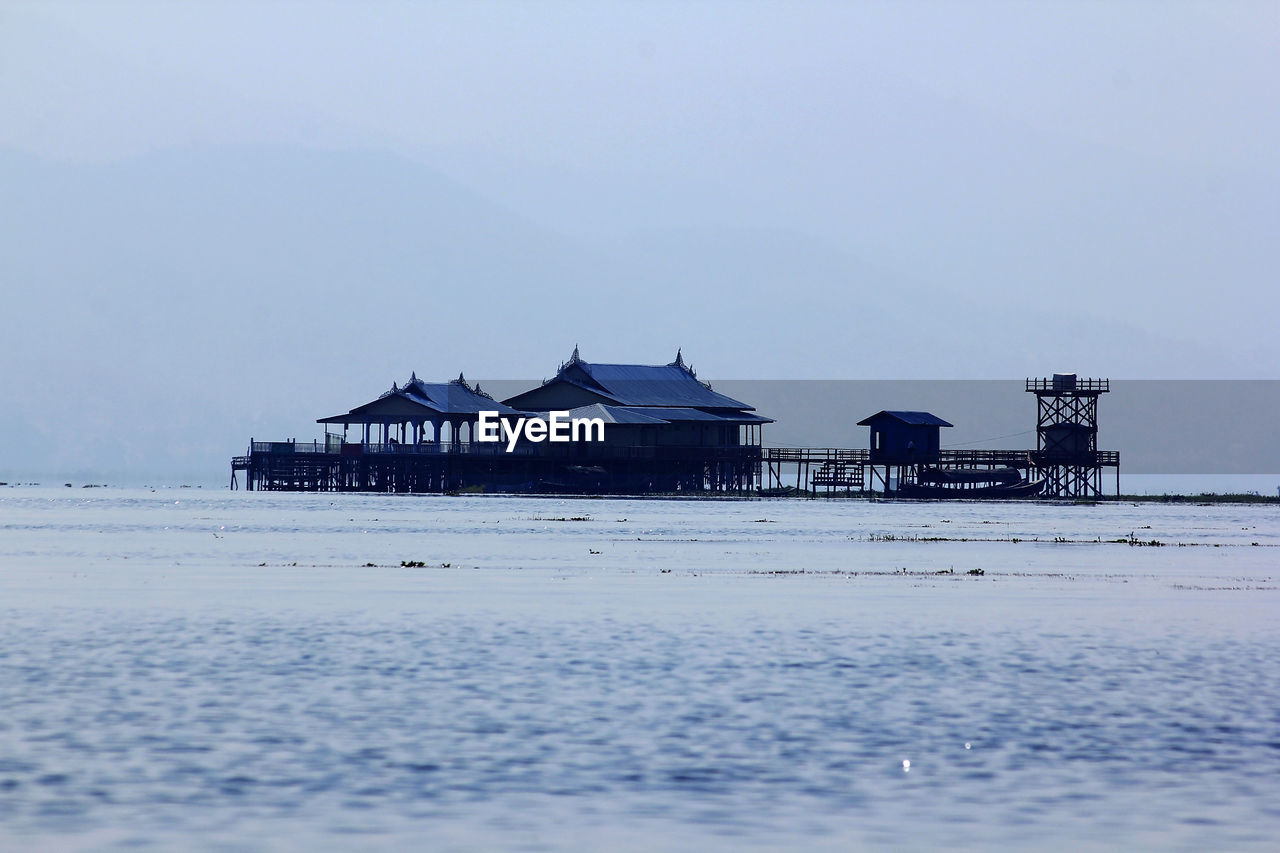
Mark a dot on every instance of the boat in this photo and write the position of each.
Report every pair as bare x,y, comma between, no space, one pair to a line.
958,476
1022,488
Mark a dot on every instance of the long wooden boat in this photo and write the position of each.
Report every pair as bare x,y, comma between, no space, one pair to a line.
964,476
1020,489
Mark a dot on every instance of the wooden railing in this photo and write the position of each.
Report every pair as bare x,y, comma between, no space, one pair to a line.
852,456
1100,458
960,458
1083,386
585,451
950,458
371,448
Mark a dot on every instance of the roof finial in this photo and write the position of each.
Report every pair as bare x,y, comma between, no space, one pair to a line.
413,377
573,359
393,387
462,380
679,362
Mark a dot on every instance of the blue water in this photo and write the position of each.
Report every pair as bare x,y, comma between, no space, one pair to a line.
228,671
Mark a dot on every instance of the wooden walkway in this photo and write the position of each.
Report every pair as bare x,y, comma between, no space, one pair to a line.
339,467
848,469
320,466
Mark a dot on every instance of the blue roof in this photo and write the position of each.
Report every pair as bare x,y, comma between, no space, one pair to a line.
912,418
456,397
649,415
616,414
673,385
673,414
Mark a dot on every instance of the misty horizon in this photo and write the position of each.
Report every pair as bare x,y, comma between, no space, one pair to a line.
226,220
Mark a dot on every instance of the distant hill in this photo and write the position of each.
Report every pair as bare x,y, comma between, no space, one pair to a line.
162,310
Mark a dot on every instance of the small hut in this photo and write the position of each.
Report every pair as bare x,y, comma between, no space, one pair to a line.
904,438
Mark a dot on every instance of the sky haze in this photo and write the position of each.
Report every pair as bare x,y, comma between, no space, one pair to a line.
228,219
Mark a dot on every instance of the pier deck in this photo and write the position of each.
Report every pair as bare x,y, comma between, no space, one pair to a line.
841,468
321,466
343,467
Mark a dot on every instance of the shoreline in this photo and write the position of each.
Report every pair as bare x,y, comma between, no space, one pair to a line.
1200,498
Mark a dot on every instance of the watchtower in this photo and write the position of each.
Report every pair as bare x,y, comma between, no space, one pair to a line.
1067,435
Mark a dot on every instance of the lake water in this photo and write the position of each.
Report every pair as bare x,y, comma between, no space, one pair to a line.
253,671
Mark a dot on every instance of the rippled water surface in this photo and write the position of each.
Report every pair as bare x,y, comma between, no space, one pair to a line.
215,670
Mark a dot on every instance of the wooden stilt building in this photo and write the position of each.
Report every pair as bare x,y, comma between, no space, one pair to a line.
904,441
664,431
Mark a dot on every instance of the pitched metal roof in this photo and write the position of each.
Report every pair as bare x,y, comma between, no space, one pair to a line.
616,414
913,418
674,414
674,385
649,415
456,397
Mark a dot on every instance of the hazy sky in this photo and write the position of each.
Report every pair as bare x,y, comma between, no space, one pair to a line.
226,218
